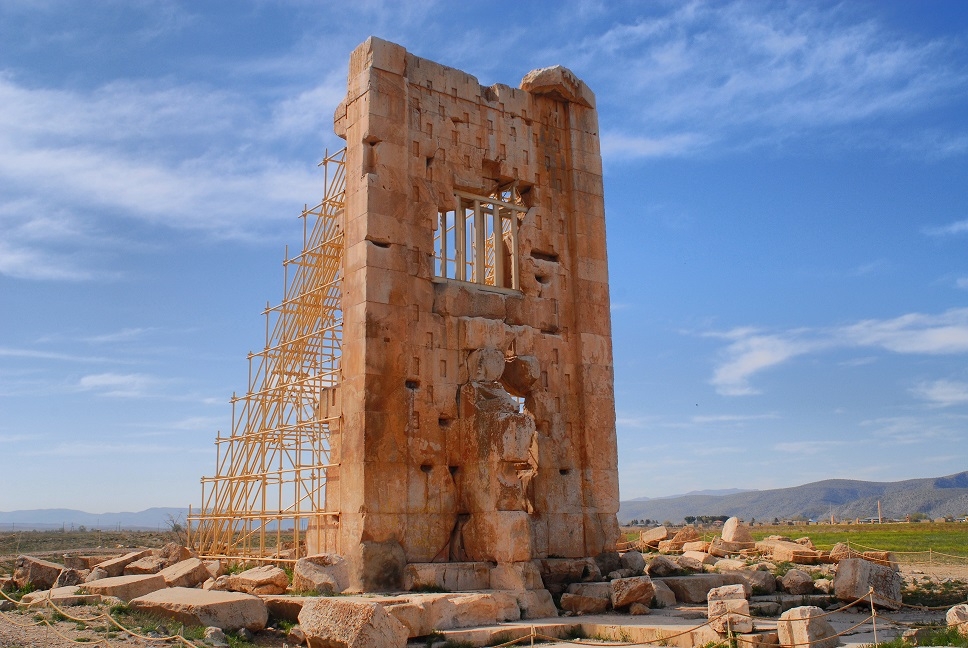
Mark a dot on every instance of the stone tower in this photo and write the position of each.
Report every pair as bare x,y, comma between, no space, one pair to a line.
476,406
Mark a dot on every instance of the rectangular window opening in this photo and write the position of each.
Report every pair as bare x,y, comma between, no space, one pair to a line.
477,240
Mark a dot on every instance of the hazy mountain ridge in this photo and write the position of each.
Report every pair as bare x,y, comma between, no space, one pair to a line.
844,498
152,518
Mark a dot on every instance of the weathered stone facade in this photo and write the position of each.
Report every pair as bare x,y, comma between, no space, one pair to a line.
477,415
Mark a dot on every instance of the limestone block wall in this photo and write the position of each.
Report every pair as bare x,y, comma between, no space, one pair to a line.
437,460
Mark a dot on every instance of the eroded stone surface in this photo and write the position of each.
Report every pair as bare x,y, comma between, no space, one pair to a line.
230,611
329,622
36,573
805,626
265,579
126,587
855,577
957,616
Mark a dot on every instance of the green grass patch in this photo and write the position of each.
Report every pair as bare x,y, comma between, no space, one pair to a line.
946,538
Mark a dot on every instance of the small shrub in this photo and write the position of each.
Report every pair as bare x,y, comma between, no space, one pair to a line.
426,588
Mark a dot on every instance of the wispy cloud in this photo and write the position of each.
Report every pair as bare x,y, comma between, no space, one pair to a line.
49,355
957,227
119,385
942,393
752,351
124,335
744,73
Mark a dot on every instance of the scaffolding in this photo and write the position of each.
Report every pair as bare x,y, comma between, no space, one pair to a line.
269,490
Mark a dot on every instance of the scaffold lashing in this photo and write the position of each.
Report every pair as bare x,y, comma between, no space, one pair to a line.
268,497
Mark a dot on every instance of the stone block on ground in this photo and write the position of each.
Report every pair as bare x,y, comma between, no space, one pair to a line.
805,626
36,573
329,622
736,531
957,616
723,548
265,579
173,553
661,566
62,596
728,609
653,536
593,590
758,581
626,591
842,551
856,576
633,561
230,611
693,588
730,615
536,604
146,565
686,534
788,551
728,564
797,581
885,558
115,566
577,604
187,573
321,574
126,587
696,545
69,577
96,574
664,597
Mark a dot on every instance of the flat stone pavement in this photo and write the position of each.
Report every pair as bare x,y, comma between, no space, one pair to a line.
660,625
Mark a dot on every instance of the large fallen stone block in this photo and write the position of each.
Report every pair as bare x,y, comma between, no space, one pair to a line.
736,531
36,573
797,581
146,565
413,615
335,623
69,577
187,573
805,626
229,611
654,536
787,551
722,548
841,551
536,604
626,591
126,587
693,588
115,566
663,597
661,566
593,590
855,578
634,561
885,558
321,574
958,617
577,604
756,580
62,596
265,579
728,610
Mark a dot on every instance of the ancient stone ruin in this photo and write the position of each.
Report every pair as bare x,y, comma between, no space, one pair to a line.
435,396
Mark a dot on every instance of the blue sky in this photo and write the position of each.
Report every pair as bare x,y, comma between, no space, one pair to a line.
786,202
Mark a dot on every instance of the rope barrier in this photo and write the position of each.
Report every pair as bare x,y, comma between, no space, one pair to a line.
48,603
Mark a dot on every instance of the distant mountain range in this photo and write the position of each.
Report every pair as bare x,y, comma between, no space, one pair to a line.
845,499
44,519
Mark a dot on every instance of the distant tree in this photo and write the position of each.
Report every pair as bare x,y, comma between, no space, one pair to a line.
689,519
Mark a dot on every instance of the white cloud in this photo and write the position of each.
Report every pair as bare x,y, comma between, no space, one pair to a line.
942,393
49,355
119,385
752,351
957,227
747,73
124,335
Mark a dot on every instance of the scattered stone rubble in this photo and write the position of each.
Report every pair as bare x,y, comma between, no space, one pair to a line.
173,583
